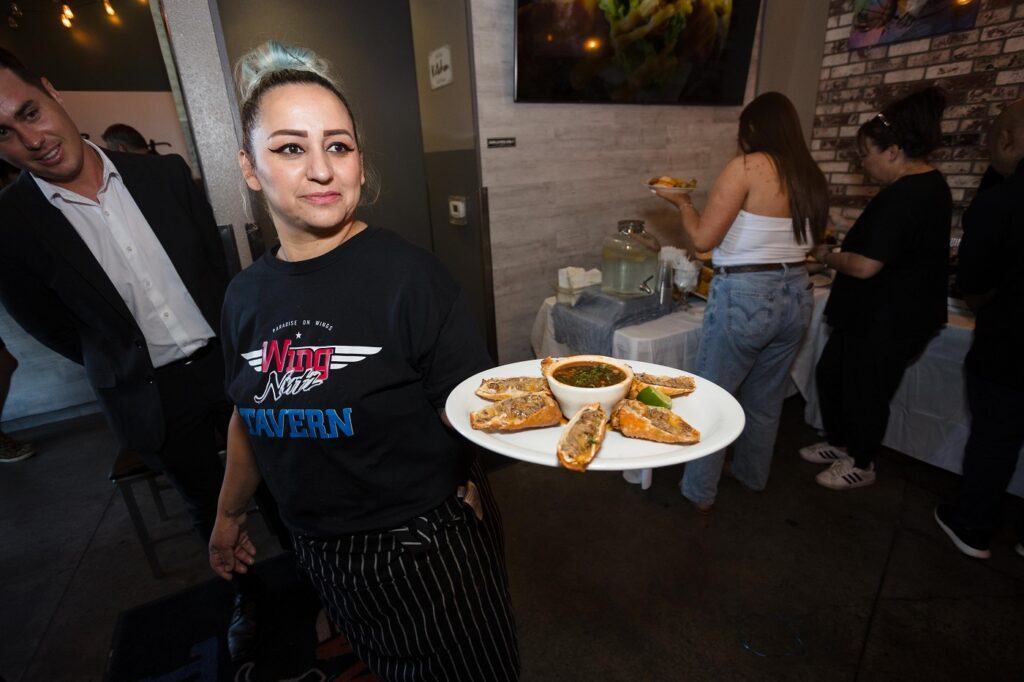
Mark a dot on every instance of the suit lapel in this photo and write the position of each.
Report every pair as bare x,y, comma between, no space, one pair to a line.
150,196
61,240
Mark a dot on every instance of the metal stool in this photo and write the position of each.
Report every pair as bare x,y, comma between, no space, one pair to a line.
128,470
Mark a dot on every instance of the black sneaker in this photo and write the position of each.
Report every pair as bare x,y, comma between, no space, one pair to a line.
14,451
970,543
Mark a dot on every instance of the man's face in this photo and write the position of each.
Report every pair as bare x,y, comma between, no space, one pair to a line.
36,134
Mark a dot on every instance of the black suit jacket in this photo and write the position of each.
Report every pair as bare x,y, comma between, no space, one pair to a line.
991,261
54,287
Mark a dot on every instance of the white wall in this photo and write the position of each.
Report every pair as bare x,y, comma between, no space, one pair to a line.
791,54
151,113
575,171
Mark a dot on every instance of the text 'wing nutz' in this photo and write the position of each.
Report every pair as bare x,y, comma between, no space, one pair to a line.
285,357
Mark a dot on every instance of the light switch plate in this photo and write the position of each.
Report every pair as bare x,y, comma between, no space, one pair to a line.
457,210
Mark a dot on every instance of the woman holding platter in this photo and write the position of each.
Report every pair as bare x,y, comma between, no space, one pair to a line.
338,376
763,214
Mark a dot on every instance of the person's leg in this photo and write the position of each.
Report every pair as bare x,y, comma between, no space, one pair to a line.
428,600
738,322
11,450
195,415
764,389
8,364
190,454
990,456
831,393
874,372
829,376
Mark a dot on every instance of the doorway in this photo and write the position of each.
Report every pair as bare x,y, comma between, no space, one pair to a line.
422,140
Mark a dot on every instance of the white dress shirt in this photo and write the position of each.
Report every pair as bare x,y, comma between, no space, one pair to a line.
121,239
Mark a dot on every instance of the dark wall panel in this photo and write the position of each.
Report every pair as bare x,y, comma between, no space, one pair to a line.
369,45
97,53
463,248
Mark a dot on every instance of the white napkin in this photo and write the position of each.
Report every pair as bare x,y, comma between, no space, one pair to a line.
685,271
578,278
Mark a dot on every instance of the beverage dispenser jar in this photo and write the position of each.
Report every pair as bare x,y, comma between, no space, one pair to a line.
630,261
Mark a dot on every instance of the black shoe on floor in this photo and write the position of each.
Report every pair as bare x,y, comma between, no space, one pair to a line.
244,628
968,542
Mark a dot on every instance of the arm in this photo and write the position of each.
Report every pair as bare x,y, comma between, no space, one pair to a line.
724,203
838,220
984,224
231,550
847,262
39,311
457,351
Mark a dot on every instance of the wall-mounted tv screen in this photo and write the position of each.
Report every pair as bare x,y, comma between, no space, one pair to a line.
634,51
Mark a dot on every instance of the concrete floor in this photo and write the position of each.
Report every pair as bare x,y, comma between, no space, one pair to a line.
609,582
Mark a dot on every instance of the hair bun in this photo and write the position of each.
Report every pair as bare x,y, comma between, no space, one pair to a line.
271,57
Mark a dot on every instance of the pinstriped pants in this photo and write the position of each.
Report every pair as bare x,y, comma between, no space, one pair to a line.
426,601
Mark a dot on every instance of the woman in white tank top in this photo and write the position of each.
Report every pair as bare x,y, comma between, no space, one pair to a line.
763,214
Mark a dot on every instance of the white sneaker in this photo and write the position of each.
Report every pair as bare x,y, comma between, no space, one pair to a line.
843,474
823,453
1020,548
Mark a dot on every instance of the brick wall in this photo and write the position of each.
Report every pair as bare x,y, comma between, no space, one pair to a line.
981,70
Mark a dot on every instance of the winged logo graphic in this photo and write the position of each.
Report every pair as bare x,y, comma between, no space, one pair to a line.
285,357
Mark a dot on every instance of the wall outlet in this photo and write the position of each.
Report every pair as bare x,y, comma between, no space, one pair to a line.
457,210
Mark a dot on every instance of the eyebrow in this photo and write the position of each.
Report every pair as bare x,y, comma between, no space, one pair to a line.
23,109
296,133
303,133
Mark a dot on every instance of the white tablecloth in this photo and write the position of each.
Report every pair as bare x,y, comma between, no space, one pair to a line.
670,340
928,415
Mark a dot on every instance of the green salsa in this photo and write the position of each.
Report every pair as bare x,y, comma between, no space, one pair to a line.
589,375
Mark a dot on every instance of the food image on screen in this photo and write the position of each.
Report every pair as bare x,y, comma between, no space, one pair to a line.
634,51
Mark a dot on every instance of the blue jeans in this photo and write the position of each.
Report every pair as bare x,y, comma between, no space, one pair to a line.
753,326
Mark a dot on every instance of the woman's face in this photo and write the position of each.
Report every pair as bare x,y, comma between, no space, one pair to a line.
306,162
878,162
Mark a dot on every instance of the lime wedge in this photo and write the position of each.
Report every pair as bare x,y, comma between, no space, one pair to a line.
653,397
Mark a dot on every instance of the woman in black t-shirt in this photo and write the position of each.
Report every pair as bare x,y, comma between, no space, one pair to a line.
341,347
889,296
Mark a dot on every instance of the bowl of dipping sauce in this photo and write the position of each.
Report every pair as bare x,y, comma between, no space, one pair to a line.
580,380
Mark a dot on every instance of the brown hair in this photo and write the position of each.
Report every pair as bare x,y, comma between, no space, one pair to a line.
769,124
13,64
122,133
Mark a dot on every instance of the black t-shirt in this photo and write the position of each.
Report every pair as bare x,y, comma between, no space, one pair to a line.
906,226
992,260
338,366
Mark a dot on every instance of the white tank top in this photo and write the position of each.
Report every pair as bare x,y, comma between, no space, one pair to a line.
754,239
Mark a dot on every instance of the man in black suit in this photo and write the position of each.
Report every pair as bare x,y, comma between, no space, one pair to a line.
114,261
989,275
